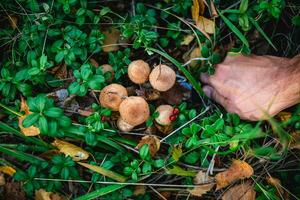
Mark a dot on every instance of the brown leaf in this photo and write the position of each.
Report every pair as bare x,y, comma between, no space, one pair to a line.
196,53
7,170
148,94
243,191
152,141
2,180
202,178
13,190
139,190
41,194
13,21
164,129
24,107
31,130
110,43
85,113
72,150
176,94
94,62
201,189
60,71
276,183
295,144
206,25
238,170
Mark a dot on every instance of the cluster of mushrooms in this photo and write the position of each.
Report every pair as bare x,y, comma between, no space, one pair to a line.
134,110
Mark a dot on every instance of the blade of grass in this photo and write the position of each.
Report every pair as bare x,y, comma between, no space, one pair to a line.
261,31
104,172
196,85
100,192
20,155
234,29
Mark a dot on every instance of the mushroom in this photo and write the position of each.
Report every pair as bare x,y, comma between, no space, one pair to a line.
124,126
112,95
165,114
162,78
108,68
134,110
138,71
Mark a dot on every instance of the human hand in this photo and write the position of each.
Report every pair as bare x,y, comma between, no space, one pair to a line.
254,87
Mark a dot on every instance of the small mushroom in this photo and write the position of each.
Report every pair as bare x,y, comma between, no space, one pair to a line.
165,114
108,68
112,95
162,77
124,126
134,110
138,71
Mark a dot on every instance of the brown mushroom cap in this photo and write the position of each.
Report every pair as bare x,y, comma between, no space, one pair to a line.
162,77
112,95
124,126
164,111
108,68
134,110
138,71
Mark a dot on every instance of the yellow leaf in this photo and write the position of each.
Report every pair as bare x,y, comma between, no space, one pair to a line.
104,172
152,141
72,150
197,9
176,153
206,25
41,194
201,189
284,116
238,170
7,170
24,107
29,131
187,39
243,191
110,42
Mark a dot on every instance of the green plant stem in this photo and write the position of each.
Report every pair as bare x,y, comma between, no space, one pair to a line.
10,110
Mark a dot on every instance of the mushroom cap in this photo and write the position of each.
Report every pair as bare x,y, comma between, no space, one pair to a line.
112,95
138,71
134,110
108,68
162,77
124,126
164,111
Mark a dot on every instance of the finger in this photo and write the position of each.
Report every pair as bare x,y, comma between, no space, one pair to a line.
211,93
205,78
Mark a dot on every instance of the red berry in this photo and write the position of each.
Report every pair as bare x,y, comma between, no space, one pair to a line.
103,118
173,117
175,111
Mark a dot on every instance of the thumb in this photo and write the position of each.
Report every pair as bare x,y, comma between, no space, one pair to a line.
211,93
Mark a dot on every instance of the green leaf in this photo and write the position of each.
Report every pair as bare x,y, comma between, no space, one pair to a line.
33,71
176,153
74,88
296,20
43,125
244,6
180,171
65,173
30,120
64,121
100,192
144,151
40,102
59,57
235,30
53,112
104,11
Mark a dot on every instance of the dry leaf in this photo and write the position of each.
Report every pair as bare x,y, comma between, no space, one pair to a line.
238,170
60,71
139,190
152,141
284,116
202,178
295,144
72,150
13,21
164,129
201,189
31,130
276,183
7,170
196,53
243,191
104,172
187,39
197,9
41,194
110,42
84,113
206,25
2,180
94,62
148,94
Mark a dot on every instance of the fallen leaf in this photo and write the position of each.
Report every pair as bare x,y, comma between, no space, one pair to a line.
31,130
152,141
176,153
94,62
49,154
176,94
72,150
41,194
201,189
197,9
13,190
295,143
7,170
13,21
104,172
148,94
276,183
238,170
110,42
2,180
139,190
196,53
202,178
206,25
164,129
243,191
180,171
187,39
284,116
84,113
60,71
